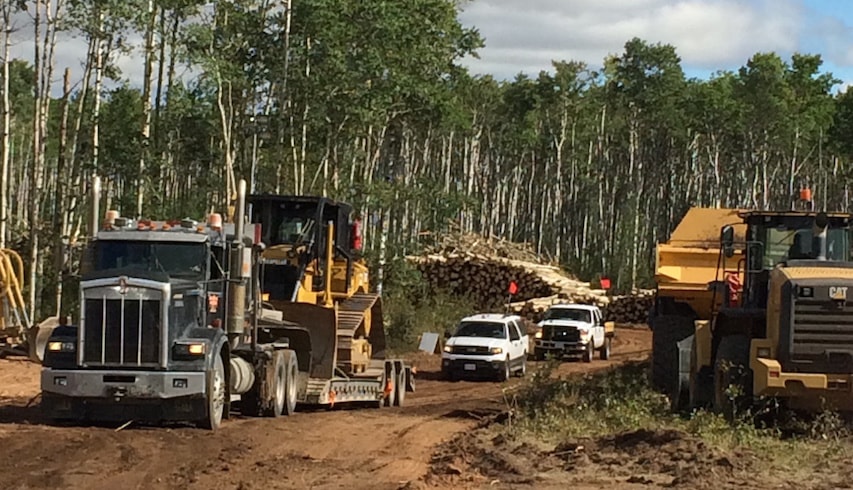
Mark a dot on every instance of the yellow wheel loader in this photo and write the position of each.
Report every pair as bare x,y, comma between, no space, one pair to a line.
755,304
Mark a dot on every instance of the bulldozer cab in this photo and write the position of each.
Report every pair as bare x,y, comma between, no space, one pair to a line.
780,238
295,230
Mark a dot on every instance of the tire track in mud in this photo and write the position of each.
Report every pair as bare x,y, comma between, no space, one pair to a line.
322,449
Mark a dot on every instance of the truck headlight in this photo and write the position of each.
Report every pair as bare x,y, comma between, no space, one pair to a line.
191,349
496,350
448,348
57,346
538,334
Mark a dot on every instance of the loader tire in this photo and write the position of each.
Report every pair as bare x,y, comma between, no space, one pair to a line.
667,332
732,376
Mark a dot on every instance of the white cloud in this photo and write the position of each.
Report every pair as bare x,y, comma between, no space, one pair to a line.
707,34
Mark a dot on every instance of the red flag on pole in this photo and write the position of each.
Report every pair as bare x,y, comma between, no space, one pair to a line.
513,287
605,283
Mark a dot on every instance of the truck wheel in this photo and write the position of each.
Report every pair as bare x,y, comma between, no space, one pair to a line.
605,350
538,354
279,387
667,331
215,395
290,386
587,355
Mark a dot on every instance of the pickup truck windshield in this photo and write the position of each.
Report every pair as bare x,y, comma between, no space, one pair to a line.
489,330
577,315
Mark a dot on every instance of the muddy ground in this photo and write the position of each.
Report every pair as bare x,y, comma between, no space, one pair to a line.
385,448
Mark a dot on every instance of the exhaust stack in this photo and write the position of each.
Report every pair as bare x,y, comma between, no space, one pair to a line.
94,217
236,312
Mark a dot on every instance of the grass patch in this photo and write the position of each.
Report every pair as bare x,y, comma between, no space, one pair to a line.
620,400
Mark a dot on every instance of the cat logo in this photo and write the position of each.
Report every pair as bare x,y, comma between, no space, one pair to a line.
838,292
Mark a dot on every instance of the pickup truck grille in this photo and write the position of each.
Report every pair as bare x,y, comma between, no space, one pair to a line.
471,350
122,332
560,334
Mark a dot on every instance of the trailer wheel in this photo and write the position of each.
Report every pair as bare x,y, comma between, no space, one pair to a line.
400,388
215,395
390,375
290,391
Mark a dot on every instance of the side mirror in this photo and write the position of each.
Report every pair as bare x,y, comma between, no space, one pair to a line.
727,240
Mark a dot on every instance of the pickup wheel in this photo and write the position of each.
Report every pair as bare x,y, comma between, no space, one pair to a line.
538,355
604,353
588,353
505,375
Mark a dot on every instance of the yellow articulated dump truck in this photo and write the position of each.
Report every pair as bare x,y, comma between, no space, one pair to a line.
756,300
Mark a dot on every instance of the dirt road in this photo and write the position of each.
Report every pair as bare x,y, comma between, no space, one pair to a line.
365,448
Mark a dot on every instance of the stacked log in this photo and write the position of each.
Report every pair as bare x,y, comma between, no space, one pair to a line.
482,269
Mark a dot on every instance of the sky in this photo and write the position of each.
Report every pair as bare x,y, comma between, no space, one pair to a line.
525,35
708,35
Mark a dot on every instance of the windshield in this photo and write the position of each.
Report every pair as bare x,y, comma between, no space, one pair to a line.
575,314
490,330
184,260
784,244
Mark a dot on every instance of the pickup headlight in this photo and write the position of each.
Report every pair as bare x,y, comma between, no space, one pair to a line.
448,348
584,333
57,346
496,350
538,334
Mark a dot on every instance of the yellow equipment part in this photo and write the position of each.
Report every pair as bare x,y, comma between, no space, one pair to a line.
343,320
687,263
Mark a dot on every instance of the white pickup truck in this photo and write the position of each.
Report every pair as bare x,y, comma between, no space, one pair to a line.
491,345
573,330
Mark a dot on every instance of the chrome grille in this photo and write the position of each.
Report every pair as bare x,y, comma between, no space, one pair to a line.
560,333
471,350
123,325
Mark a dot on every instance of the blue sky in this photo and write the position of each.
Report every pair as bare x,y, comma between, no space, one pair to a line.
708,34
525,35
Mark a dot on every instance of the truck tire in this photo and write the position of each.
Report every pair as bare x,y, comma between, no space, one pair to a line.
279,386
667,331
215,396
538,355
291,389
604,353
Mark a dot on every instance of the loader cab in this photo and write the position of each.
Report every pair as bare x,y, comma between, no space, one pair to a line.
294,230
779,239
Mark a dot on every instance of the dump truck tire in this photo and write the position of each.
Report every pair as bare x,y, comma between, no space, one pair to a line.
667,332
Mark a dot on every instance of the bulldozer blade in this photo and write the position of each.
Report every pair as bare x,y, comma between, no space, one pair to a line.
38,336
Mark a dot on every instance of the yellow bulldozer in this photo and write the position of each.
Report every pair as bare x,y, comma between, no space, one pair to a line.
753,304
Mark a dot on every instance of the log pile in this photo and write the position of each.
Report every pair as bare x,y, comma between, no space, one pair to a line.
481,269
